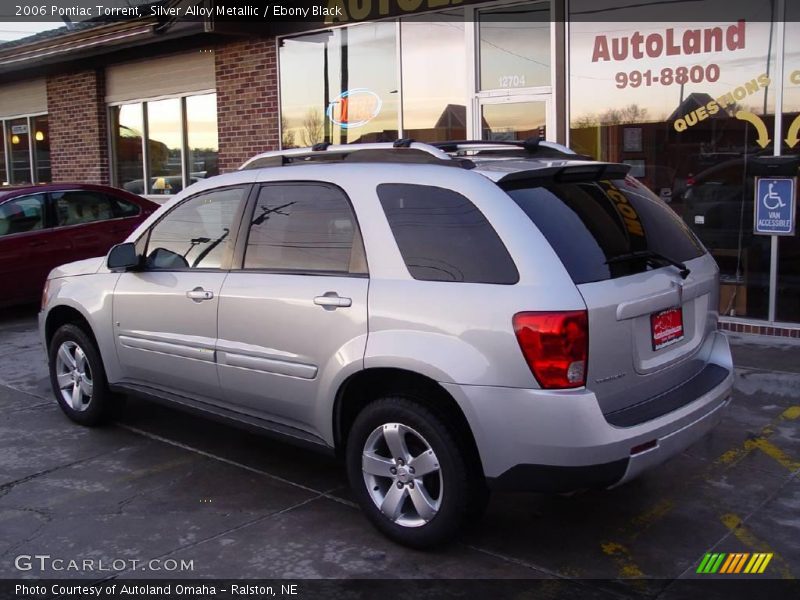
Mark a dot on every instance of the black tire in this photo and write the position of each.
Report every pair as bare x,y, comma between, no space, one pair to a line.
102,404
462,495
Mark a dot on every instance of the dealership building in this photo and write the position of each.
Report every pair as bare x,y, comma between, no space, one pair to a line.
689,98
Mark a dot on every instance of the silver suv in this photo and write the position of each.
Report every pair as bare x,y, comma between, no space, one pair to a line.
448,318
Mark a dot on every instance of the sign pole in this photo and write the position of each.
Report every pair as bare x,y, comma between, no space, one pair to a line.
780,46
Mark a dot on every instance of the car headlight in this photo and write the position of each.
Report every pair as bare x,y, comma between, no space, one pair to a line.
45,292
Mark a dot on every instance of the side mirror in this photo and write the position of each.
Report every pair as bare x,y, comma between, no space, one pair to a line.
123,257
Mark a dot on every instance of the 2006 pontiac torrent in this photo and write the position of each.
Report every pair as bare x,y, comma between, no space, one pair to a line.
448,318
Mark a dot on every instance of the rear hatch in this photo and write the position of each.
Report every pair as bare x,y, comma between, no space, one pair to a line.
649,286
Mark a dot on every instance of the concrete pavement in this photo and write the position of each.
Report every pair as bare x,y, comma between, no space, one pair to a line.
164,485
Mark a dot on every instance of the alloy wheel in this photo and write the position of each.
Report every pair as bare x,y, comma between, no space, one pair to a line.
74,376
402,475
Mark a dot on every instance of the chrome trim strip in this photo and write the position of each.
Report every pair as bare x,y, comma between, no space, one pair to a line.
197,353
267,365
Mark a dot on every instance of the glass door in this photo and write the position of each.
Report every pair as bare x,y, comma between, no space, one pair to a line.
513,117
514,74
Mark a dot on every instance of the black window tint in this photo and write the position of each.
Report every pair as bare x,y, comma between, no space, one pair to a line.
79,206
198,233
589,223
22,214
123,208
444,237
304,227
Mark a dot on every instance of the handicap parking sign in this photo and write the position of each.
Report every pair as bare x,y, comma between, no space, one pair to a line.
775,205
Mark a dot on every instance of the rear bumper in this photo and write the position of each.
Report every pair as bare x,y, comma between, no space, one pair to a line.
558,441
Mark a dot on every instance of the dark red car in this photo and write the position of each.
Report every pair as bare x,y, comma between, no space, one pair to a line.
43,226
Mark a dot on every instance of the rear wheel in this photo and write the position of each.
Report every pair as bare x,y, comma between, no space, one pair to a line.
409,473
78,378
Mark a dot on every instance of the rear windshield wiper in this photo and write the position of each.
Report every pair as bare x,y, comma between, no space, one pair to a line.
650,255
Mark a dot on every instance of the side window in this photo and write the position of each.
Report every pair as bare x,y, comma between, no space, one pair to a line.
442,236
77,207
198,233
304,227
22,214
123,208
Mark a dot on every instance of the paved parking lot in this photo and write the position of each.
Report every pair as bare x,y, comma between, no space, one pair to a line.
160,484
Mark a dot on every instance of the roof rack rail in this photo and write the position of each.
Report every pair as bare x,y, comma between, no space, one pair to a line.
404,150
407,150
532,145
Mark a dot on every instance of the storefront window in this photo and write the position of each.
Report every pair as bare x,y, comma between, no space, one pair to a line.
41,148
127,127
164,146
203,147
25,136
340,86
434,78
686,106
515,47
19,144
165,149
3,172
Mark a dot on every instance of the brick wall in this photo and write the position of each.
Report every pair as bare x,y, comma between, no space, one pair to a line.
247,100
78,127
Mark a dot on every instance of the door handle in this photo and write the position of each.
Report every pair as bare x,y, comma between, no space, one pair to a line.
198,294
332,301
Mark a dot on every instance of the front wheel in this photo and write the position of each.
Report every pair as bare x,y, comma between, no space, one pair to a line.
78,378
409,473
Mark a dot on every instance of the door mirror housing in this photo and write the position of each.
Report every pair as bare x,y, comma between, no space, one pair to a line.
123,257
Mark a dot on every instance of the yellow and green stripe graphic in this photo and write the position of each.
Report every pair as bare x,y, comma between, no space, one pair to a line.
734,562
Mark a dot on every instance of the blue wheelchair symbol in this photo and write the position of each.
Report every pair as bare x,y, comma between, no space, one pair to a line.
772,200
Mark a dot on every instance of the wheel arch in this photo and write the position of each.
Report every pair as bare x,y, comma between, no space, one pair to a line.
62,315
367,385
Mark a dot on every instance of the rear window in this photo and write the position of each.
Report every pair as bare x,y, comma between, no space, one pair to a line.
442,236
588,223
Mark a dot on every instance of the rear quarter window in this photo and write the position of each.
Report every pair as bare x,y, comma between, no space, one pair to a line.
442,236
588,223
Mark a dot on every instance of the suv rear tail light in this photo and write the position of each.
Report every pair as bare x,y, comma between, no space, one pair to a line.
555,346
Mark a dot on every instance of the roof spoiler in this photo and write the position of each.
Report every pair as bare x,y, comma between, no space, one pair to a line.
585,171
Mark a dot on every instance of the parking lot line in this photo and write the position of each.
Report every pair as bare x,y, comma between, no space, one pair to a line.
152,436
735,455
240,526
773,452
736,526
626,567
641,522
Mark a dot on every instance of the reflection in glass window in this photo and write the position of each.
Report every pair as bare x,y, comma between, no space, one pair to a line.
19,144
77,207
514,121
673,117
126,131
22,214
165,150
41,148
304,227
3,172
340,86
203,147
515,47
434,78
164,146
196,234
